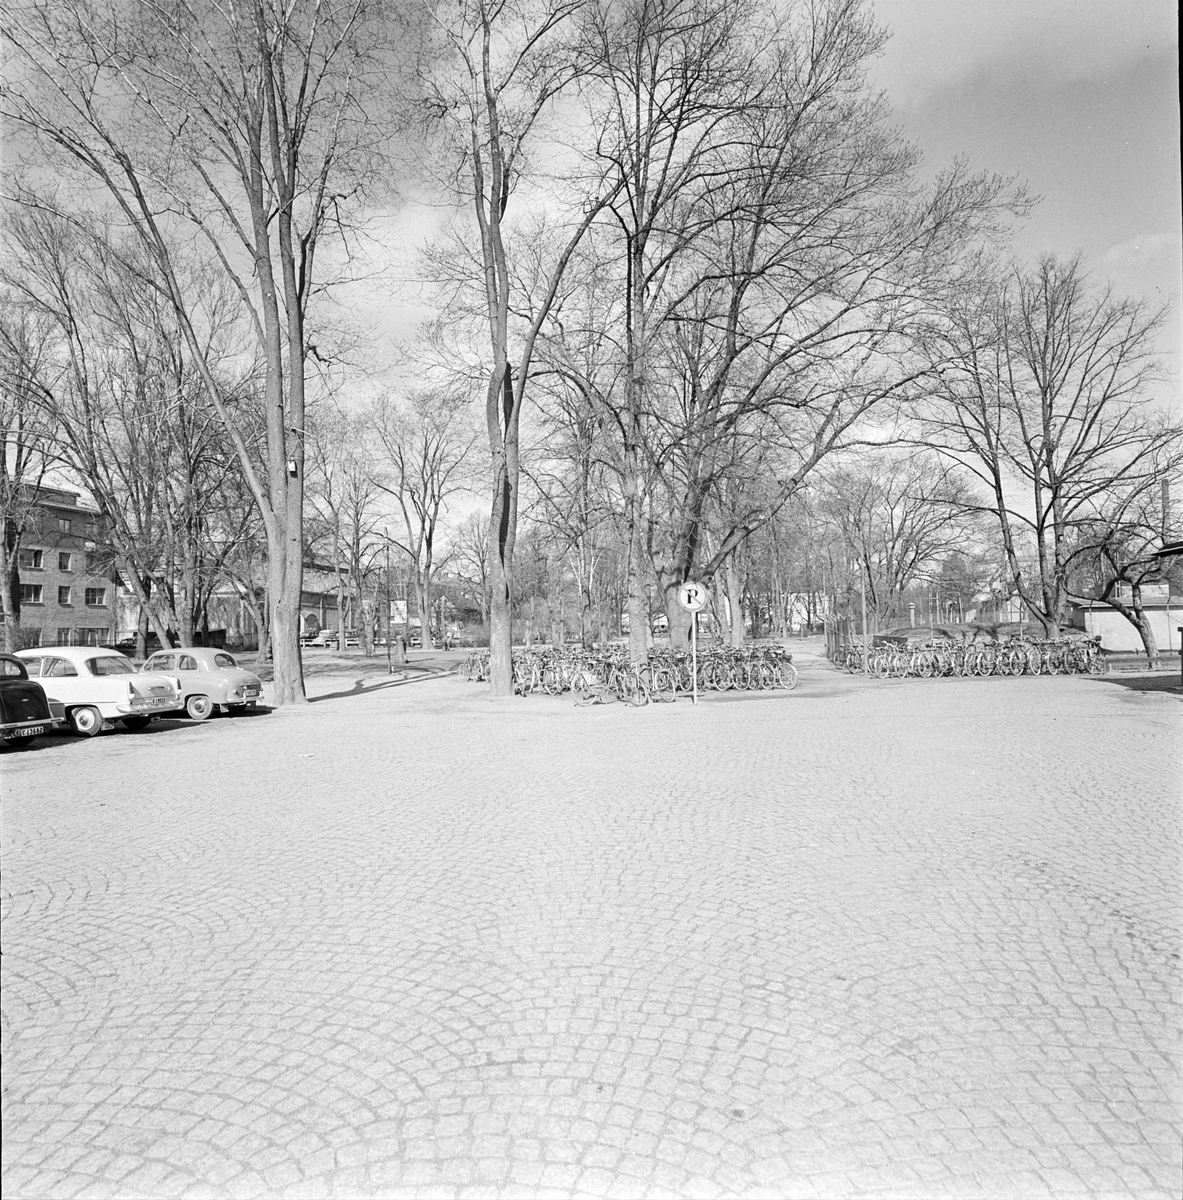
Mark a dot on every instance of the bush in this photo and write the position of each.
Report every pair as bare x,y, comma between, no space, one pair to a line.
27,637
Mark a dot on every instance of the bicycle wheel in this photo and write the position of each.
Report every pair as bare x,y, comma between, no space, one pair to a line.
786,676
663,686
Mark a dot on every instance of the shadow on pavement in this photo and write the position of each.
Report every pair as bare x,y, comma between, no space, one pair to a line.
360,688
1145,683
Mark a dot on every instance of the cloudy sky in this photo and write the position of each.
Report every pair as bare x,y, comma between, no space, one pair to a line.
1078,97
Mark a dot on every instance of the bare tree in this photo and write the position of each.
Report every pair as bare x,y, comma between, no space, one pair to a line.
1117,551
113,377
501,67
901,515
1043,392
428,445
249,125
470,559
345,487
26,445
774,250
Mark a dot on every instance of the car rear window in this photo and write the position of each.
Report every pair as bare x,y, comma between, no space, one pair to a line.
10,668
224,660
110,666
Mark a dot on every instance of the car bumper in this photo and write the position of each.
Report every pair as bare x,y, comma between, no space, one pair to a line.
29,728
152,705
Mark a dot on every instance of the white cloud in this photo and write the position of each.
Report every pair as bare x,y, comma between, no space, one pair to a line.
939,42
1142,251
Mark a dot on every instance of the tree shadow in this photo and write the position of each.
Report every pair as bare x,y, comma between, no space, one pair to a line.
1167,684
360,688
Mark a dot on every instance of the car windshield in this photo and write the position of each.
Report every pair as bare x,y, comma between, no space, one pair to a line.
110,666
224,660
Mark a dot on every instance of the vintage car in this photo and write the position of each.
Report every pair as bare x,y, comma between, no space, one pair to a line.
98,687
25,710
210,679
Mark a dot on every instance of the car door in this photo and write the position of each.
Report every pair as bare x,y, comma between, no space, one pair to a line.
61,681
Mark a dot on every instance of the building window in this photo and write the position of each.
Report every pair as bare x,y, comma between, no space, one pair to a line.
65,559
31,593
92,637
92,529
63,637
63,524
96,562
96,597
64,597
32,560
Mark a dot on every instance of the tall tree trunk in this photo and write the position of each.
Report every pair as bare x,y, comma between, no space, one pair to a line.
8,591
734,601
423,600
680,621
503,522
1136,615
638,609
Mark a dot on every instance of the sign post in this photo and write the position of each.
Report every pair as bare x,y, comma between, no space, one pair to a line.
693,597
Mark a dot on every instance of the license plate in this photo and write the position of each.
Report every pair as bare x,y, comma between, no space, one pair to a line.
30,731
160,702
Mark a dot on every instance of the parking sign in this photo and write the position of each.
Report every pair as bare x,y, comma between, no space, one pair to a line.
693,596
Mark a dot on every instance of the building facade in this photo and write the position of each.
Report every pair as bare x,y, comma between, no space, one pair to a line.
1164,614
65,581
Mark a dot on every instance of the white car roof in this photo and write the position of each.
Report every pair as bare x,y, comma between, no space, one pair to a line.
74,654
202,652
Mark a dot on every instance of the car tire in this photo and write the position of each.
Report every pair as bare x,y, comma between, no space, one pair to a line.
136,722
199,708
86,721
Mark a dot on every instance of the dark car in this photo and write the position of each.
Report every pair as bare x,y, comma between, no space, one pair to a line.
25,710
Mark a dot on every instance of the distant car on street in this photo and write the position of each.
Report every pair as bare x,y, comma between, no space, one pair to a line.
210,679
26,711
97,687
326,637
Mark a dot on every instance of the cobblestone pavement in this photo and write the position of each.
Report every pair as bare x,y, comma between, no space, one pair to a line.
916,938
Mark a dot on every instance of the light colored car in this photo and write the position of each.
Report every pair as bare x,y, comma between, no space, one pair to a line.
97,687
210,679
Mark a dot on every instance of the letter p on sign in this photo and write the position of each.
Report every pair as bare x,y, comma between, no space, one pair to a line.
692,596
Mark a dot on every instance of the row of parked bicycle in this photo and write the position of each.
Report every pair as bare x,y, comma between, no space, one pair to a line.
599,676
1053,656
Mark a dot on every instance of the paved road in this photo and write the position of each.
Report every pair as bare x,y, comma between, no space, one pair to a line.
917,938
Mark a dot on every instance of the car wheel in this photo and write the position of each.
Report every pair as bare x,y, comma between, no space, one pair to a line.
199,708
135,722
86,721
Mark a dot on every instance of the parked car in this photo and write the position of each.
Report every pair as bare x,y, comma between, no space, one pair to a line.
97,686
326,637
26,711
210,679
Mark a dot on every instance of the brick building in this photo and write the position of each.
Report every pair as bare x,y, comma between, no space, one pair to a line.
66,582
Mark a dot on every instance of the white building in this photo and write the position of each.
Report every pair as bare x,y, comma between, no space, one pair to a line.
1163,611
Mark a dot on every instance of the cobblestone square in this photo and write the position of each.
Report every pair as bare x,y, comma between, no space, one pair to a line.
915,938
